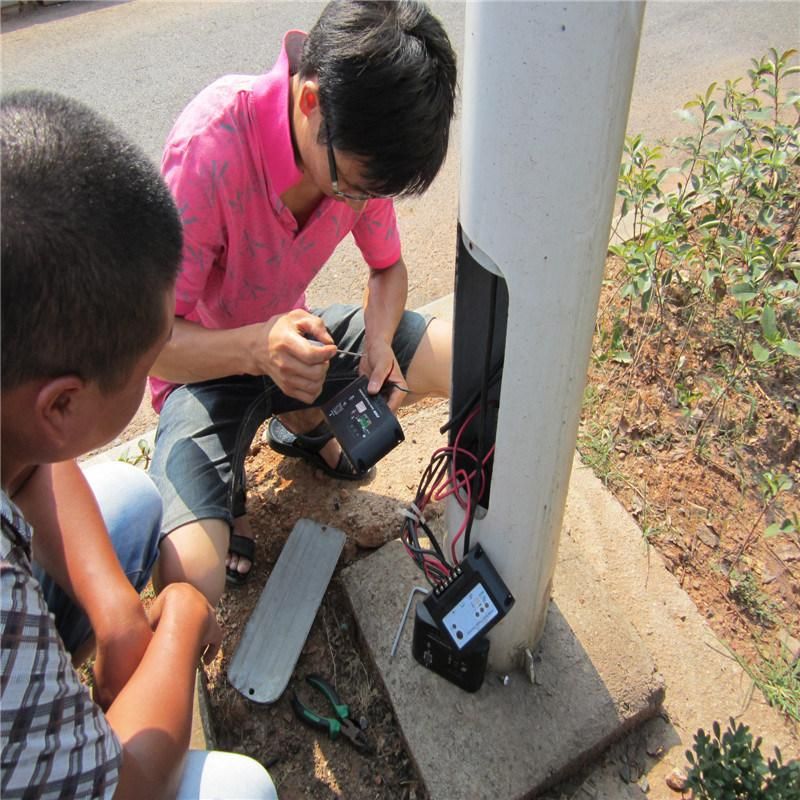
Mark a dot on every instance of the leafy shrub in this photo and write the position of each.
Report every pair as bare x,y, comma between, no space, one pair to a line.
732,219
731,767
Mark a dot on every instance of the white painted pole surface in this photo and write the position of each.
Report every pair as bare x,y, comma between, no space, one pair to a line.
546,88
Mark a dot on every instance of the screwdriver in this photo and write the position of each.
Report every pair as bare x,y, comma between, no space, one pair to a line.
340,352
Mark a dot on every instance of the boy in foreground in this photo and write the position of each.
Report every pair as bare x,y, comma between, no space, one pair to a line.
91,243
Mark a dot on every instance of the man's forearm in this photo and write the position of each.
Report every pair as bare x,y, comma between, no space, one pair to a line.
195,353
385,301
71,544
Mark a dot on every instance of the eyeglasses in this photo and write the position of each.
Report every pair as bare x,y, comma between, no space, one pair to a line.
337,192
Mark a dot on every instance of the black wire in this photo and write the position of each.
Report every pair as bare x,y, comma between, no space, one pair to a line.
465,410
487,362
436,549
241,446
428,478
439,464
432,475
418,555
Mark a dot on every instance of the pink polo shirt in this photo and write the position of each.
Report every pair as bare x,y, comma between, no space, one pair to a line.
227,160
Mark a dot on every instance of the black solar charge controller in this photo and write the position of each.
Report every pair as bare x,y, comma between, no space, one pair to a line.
451,623
363,424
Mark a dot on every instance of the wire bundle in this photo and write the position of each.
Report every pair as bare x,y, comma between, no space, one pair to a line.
445,475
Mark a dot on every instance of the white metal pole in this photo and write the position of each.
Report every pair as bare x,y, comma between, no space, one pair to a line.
546,88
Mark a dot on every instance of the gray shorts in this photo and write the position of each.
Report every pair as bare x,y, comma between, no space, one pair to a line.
205,429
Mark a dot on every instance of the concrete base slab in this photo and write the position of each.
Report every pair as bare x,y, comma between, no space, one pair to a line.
202,735
593,681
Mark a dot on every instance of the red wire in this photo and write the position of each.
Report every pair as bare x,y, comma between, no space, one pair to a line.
455,481
460,530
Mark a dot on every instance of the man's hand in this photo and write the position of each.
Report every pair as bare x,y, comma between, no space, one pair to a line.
152,714
295,363
379,363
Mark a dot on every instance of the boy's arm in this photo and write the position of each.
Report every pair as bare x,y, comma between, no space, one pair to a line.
152,714
384,303
71,544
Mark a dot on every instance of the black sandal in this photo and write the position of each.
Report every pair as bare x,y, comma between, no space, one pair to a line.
307,447
243,547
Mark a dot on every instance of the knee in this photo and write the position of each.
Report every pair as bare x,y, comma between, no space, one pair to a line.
147,497
226,775
195,554
119,487
131,508
207,575
253,780
211,583
430,369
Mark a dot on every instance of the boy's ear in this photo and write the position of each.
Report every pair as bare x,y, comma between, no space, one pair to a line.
57,407
309,97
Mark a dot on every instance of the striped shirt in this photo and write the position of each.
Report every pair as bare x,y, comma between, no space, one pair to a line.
56,741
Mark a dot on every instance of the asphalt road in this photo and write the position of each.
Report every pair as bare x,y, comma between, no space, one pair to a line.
139,62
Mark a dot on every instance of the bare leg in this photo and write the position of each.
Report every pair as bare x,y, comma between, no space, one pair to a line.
195,553
428,373
302,421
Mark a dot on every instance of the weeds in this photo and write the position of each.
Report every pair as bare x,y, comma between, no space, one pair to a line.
142,458
777,676
596,445
787,526
747,594
771,486
779,680
726,232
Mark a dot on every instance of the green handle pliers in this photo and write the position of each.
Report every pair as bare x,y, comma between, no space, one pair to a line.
334,726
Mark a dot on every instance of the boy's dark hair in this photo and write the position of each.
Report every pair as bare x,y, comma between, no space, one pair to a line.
91,243
387,87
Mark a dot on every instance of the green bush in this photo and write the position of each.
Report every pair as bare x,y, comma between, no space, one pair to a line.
729,229
731,767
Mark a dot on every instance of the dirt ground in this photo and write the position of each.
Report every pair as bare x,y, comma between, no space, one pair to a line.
303,761
686,469
689,463
699,507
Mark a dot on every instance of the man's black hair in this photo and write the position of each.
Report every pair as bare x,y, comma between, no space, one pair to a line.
91,243
387,87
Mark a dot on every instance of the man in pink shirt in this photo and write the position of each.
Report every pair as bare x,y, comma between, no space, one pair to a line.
270,173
